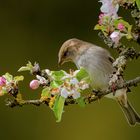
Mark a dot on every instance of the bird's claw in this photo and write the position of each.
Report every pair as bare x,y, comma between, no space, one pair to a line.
95,92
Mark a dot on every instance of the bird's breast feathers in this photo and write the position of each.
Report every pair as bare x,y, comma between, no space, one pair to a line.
96,61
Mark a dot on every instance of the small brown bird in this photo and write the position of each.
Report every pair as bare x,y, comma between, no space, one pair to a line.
98,63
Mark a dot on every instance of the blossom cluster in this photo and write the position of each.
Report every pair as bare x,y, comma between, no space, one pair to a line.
57,86
9,84
110,23
63,84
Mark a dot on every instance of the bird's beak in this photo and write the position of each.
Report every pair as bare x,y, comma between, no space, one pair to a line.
60,62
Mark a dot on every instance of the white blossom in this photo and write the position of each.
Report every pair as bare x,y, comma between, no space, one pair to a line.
75,94
75,72
68,76
41,79
115,36
65,93
84,86
74,81
48,71
109,7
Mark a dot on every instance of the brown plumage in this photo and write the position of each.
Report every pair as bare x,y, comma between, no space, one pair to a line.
98,63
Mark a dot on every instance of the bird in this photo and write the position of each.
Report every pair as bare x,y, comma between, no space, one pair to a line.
97,61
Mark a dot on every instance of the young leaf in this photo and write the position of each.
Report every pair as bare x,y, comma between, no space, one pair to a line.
55,105
81,102
24,68
101,27
58,75
18,78
58,107
56,84
28,67
97,27
3,90
46,93
82,74
8,77
126,24
138,3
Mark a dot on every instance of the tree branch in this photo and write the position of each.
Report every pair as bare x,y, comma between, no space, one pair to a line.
88,99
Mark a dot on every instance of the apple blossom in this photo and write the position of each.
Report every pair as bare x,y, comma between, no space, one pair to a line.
64,92
109,7
2,81
41,80
75,94
115,36
74,81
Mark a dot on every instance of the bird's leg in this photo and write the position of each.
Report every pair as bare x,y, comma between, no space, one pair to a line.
113,88
114,79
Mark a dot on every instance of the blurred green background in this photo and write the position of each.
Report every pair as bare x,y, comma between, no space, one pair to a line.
35,30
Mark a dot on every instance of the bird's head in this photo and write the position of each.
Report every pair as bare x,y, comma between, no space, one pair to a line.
70,50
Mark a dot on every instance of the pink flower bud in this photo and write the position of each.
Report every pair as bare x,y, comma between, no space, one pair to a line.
2,81
121,27
100,21
34,84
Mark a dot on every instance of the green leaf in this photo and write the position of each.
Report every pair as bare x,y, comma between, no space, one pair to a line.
138,3
129,33
101,27
81,102
82,74
58,107
46,92
4,90
18,78
58,75
97,27
127,25
8,77
24,68
56,84
28,67
55,105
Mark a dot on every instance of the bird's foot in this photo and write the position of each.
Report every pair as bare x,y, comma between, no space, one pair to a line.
113,88
95,92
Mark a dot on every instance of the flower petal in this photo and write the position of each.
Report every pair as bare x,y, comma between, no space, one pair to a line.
64,93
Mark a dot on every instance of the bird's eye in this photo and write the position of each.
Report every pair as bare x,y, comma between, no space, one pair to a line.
66,53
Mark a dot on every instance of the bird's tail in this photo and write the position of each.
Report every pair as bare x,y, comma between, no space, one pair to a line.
130,113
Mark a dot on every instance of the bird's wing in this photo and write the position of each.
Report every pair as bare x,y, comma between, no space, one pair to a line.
111,59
